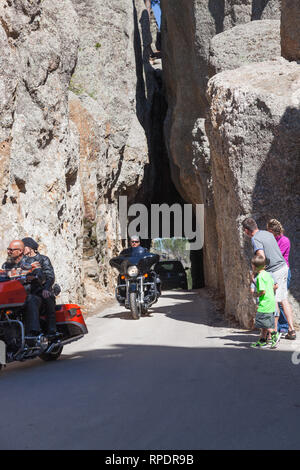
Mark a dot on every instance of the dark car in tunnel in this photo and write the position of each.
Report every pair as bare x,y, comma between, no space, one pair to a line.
172,274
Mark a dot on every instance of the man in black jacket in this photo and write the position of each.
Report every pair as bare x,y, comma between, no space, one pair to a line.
17,264
48,298
135,247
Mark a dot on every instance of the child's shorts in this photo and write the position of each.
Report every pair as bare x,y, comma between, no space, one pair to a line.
264,320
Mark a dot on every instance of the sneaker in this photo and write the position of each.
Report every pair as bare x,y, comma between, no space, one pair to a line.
275,340
283,333
261,343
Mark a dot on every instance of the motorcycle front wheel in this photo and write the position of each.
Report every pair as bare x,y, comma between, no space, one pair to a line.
135,312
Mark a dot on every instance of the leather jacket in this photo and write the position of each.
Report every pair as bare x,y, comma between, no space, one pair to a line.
47,269
24,267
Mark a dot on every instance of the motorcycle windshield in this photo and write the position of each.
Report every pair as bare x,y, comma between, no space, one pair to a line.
135,256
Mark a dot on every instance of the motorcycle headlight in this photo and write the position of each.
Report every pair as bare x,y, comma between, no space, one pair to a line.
132,271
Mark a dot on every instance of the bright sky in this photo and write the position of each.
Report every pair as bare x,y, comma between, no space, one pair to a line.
157,14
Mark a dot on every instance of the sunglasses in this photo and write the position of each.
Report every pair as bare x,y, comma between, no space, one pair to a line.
135,242
14,249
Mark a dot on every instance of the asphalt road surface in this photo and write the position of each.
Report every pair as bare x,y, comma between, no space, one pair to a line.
178,379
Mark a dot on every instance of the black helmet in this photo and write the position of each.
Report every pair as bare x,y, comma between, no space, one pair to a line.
30,242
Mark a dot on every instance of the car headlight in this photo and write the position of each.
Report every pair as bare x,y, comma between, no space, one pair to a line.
132,271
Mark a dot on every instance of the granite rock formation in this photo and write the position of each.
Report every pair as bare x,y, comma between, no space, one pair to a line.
81,111
40,187
252,42
254,136
110,101
230,151
290,31
75,87
187,29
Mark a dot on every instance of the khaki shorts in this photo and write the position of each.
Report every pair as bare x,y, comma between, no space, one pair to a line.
264,320
280,277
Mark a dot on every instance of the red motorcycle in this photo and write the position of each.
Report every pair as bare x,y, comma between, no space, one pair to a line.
14,344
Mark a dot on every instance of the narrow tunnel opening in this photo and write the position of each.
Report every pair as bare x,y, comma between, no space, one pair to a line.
158,187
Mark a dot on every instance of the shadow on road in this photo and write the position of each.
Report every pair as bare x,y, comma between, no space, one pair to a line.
205,313
153,397
126,315
239,340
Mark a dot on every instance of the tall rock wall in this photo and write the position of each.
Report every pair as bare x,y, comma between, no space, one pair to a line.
75,88
110,102
40,186
290,30
245,159
187,29
254,135
253,131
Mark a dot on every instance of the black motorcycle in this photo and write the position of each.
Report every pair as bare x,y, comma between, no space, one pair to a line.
138,286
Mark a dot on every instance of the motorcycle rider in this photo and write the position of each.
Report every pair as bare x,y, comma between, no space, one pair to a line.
135,242
17,262
48,298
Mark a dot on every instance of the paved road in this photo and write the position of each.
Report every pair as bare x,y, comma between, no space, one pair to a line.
174,380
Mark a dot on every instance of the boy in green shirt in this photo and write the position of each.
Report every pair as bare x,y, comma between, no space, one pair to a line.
266,304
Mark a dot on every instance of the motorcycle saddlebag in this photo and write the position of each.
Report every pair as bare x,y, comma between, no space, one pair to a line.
70,317
12,294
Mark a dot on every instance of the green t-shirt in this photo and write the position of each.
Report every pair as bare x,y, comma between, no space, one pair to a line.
264,281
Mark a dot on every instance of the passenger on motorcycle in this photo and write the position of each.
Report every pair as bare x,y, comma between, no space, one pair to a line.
17,265
48,298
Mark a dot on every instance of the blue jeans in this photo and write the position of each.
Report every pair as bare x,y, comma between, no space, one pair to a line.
283,325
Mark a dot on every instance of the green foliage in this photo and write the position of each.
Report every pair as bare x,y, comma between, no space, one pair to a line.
189,279
75,88
79,90
174,248
97,45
